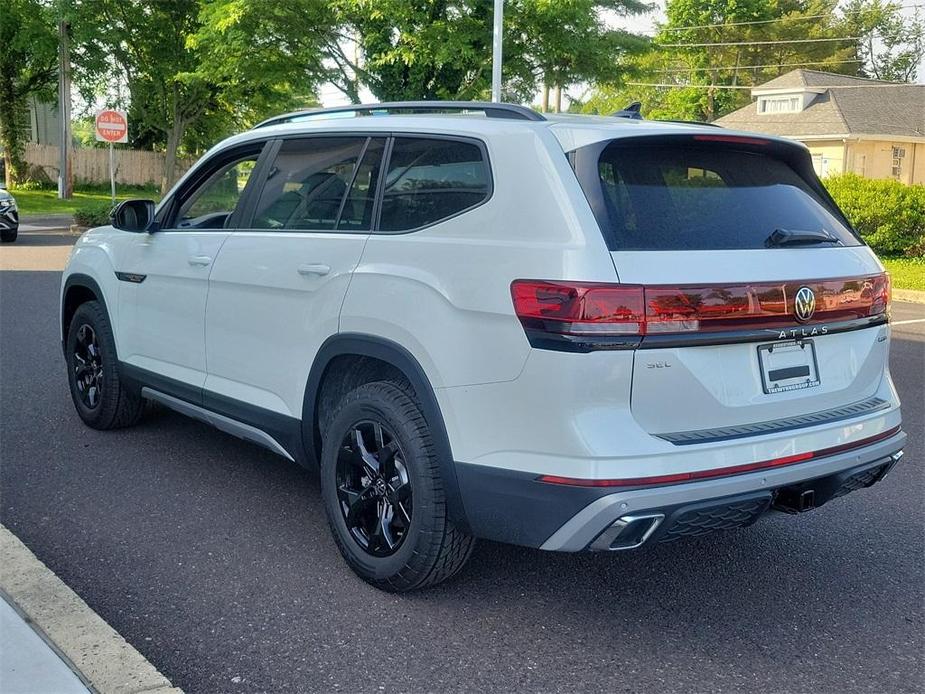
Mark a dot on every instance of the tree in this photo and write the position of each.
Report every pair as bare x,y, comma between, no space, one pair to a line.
28,67
889,47
266,57
712,51
147,44
564,43
411,49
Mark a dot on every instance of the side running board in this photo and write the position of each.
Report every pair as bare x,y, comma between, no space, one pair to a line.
226,424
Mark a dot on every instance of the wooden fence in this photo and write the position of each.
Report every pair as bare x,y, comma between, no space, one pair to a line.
133,166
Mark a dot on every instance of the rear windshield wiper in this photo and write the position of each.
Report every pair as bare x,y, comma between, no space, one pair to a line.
780,238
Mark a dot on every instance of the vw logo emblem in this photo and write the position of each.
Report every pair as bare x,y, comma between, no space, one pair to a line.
804,305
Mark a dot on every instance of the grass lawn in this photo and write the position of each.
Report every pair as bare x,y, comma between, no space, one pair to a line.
907,273
40,202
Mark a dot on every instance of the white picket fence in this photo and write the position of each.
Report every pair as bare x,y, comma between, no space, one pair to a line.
133,166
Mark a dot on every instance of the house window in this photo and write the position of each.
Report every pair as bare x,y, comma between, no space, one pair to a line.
899,153
780,104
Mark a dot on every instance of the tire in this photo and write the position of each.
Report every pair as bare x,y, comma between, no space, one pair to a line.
400,555
9,235
100,399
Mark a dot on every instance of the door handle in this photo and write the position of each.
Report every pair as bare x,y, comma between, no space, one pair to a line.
314,269
201,260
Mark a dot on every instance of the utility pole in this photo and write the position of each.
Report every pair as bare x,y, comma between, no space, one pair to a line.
497,39
65,180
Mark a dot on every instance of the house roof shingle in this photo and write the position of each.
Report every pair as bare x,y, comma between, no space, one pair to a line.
849,105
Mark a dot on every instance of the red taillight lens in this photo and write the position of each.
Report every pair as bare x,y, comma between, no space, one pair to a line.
598,310
579,308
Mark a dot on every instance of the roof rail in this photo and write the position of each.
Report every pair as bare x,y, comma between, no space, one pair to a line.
490,109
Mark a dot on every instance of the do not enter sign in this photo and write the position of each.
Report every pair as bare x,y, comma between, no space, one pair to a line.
111,126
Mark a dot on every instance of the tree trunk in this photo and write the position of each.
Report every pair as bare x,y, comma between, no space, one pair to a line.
545,98
170,157
558,99
11,135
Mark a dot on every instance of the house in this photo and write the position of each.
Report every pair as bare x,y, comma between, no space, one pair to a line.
869,127
44,123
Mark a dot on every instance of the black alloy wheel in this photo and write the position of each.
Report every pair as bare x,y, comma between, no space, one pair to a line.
374,489
88,367
383,490
100,397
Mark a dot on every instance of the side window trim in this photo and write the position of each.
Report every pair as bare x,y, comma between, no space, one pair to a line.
247,206
387,160
353,178
380,184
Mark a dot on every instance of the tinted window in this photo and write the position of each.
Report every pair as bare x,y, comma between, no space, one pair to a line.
308,181
357,214
660,198
211,204
429,180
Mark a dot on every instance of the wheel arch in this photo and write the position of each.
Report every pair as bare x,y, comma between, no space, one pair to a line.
78,289
401,360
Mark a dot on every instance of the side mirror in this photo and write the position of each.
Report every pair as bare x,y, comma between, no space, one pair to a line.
134,215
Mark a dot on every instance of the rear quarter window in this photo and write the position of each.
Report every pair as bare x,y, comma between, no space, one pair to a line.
682,197
431,179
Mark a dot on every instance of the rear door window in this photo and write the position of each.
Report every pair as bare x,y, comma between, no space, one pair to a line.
307,185
431,179
695,198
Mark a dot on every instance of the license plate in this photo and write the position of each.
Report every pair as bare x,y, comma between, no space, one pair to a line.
788,366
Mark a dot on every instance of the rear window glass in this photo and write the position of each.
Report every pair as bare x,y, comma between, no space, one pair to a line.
679,198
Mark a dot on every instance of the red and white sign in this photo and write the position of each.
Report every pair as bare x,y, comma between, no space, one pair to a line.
111,126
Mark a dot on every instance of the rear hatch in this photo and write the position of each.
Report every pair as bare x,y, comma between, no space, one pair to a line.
762,309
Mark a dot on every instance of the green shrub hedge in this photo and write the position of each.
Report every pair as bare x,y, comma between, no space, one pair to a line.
93,214
889,215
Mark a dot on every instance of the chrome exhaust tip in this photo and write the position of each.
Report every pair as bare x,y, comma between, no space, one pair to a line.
628,532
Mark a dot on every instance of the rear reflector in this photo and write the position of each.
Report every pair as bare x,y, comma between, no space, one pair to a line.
718,472
599,310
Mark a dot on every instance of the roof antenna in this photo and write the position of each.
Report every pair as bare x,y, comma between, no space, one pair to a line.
631,111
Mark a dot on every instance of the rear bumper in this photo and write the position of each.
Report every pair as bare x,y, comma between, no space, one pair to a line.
514,507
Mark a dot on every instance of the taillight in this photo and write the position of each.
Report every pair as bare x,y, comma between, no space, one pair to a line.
579,308
585,316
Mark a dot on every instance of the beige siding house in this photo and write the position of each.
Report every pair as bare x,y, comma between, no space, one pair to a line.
872,128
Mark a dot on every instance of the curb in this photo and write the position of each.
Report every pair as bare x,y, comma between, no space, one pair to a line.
913,295
97,654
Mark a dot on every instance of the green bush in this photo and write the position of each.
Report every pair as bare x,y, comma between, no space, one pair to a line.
93,214
889,215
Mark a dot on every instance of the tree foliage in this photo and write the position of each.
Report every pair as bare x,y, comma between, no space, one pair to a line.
867,38
28,67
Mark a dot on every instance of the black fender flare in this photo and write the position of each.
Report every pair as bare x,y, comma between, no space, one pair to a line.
86,282
358,344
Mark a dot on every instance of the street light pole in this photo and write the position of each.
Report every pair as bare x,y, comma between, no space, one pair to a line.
497,39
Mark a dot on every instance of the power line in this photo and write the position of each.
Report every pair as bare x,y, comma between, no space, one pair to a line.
778,19
755,67
754,43
689,86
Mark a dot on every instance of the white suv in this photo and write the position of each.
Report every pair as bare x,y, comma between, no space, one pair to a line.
569,333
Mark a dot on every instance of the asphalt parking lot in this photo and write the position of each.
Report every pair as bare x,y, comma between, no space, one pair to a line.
213,558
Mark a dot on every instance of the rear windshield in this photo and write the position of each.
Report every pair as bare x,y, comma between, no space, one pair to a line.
694,198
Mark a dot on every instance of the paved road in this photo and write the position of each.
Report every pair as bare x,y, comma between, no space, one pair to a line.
212,558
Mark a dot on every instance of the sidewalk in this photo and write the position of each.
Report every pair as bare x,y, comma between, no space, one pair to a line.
45,222
51,642
28,664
